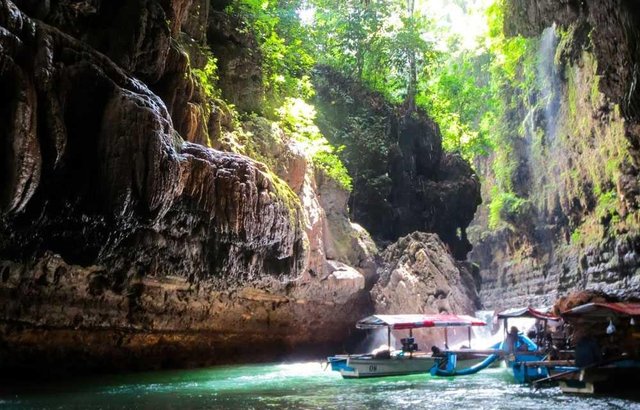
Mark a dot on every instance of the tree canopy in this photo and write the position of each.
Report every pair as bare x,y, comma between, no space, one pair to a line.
450,59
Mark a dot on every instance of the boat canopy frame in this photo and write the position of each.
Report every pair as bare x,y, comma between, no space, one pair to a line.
527,312
417,321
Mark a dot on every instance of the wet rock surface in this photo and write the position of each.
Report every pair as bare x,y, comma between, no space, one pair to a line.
112,174
63,318
122,245
417,275
610,266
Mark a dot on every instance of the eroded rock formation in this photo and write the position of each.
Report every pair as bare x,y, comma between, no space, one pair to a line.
124,246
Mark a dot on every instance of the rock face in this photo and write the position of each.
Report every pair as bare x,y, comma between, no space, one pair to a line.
579,229
122,245
128,242
401,175
238,53
95,150
418,275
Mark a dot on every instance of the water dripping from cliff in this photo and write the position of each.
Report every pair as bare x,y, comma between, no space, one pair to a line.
549,81
541,120
540,127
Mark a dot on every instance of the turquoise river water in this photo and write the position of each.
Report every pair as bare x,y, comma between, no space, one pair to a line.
293,386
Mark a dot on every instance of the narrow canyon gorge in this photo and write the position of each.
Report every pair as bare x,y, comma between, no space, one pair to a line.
159,208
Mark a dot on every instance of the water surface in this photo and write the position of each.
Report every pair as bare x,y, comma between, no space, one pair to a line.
293,386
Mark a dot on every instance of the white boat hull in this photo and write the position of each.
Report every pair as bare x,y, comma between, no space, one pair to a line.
394,366
359,367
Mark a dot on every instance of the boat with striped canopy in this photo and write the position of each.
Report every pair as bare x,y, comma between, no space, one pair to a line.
409,359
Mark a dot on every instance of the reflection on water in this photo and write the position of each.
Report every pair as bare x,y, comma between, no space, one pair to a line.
294,386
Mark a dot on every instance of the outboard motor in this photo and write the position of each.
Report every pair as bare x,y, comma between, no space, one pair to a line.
408,344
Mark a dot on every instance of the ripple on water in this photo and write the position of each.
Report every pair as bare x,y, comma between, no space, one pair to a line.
297,386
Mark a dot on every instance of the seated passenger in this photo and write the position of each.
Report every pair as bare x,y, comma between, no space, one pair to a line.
511,341
436,352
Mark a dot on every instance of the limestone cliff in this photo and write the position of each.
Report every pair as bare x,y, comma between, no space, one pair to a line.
577,159
145,223
126,246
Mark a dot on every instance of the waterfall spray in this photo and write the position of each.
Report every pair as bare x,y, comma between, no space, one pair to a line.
549,81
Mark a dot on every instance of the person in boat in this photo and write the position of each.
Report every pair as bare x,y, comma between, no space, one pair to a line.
436,352
440,356
511,342
550,348
535,332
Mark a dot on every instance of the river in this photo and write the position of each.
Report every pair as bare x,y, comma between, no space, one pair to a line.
292,386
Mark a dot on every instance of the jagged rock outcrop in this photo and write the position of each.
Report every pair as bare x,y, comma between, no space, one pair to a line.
579,229
418,275
403,181
121,245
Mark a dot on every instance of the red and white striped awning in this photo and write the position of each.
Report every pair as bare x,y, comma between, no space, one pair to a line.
527,312
417,321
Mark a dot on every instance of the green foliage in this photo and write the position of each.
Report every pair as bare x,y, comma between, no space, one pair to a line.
297,118
504,206
479,97
607,205
286,194
576,237
380,42
512,84
460,100
328,160
287,58
208,77
287,53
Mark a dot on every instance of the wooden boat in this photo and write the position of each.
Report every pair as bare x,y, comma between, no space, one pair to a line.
408,360
612,371
526,359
